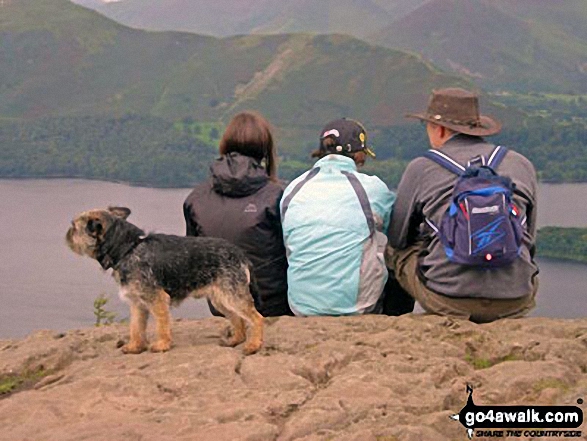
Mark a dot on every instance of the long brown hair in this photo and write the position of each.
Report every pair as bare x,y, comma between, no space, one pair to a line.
250,134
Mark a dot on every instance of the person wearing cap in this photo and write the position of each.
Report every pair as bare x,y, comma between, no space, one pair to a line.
455,128
333,218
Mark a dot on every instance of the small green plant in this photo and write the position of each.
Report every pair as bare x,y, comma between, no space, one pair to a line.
486,363
550,383
15,382
8,384
103,316
478,363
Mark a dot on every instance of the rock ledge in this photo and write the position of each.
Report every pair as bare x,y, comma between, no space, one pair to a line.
369,378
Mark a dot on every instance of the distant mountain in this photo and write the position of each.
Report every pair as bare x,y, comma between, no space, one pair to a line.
503,44
223,18
526,45
60,59
569,15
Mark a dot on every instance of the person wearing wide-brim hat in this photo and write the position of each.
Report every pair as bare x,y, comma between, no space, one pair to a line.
455,129
458,110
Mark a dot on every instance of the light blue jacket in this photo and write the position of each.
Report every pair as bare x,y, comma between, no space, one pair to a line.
333,218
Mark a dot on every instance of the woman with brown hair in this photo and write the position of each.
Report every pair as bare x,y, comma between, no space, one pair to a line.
240,203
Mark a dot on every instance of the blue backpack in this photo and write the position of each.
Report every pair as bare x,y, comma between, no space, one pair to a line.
482,227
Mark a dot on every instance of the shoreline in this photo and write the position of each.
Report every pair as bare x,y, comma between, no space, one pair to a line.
81,178
146,184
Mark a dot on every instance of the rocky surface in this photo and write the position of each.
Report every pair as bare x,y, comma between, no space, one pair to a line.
368,378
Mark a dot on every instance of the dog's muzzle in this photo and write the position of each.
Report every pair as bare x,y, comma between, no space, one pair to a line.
69,240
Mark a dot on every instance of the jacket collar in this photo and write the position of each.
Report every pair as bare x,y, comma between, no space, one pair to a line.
461,140
338,162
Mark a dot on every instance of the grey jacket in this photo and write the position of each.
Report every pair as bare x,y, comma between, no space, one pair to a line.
425,191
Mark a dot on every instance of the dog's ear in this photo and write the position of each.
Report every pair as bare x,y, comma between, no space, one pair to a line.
121,212
94,227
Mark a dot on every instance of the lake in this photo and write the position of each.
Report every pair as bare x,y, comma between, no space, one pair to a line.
43,285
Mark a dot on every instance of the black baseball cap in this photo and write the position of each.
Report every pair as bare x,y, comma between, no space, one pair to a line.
350,137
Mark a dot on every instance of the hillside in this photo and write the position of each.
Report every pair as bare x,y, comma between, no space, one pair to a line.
369,378
523,45
61,59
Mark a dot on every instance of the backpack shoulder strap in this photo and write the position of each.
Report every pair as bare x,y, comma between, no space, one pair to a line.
496,156
445,161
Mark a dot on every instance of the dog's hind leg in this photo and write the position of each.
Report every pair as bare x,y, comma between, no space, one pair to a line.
139,315
239,333
255,320
160,309
250,314
238,300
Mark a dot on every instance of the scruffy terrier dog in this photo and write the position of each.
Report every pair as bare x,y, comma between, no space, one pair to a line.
156,270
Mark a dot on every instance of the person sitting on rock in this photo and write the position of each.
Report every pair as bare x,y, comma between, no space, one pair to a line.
460,247
240,203
333,220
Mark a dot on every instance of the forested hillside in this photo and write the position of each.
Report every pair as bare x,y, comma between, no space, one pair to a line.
563,243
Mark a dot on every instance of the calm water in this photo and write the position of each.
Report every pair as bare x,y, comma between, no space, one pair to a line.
43,285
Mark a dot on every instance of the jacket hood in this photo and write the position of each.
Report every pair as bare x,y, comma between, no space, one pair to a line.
236,175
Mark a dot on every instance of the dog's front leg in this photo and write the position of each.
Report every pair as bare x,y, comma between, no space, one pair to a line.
160,310
139,315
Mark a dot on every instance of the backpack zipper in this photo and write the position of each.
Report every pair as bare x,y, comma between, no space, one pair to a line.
469,227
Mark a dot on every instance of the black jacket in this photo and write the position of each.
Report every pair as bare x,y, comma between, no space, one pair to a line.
240,204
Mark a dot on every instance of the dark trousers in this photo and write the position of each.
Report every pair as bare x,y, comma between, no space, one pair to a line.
395,300
269,311
405,264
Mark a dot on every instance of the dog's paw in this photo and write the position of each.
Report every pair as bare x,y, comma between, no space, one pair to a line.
160,346
233,341
227,332
252,346
131,348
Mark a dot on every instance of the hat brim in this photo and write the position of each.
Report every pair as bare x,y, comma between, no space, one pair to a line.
369,152
487,127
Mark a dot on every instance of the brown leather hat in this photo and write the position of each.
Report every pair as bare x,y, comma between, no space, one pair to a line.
458,110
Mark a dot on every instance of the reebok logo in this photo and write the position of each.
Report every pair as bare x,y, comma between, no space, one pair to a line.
485,210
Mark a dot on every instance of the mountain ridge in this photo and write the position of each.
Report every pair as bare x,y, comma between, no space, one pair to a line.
502,46
233,17
78,62
527,45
